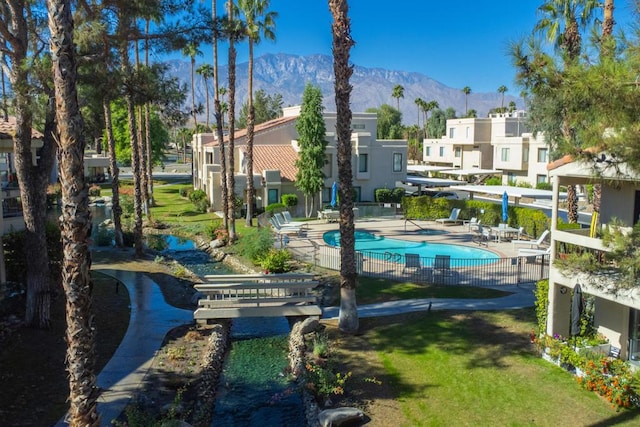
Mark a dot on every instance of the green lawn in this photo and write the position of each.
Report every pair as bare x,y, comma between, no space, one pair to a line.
478,368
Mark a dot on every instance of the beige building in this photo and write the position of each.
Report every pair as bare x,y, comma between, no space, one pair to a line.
500,142
617,312
375,163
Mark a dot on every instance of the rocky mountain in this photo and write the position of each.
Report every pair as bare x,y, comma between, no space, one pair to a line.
288,74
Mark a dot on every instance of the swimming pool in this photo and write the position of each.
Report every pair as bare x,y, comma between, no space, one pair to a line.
394,249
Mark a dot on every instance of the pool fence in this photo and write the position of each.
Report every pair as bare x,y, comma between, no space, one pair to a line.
438,270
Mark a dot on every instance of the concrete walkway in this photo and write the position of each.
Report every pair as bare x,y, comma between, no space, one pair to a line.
151,319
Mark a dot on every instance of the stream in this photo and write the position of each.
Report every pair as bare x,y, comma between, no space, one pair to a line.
253,389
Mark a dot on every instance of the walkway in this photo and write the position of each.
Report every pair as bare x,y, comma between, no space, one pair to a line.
151,319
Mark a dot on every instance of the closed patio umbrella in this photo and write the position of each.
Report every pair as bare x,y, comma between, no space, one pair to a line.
334,194
577,305
505,207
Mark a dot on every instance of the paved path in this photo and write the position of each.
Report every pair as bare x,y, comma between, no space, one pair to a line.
151,319
522,297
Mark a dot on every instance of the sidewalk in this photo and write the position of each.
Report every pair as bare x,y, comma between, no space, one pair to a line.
151,319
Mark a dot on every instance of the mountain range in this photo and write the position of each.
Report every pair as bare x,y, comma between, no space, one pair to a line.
287,75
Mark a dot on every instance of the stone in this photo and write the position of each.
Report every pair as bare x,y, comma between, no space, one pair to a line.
216,244
338,416
309,325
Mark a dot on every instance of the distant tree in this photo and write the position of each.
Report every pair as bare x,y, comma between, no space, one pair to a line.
419,102
466,90
437,125
206,71
266,107
397,93
191,50
389,121
311,141
501,90
512,106
472,113
429,106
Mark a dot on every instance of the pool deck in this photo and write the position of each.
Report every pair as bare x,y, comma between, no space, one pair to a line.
458,234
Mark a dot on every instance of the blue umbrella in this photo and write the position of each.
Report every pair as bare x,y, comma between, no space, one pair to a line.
505,206
334,194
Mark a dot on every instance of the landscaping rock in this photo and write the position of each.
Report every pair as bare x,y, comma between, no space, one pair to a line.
338,416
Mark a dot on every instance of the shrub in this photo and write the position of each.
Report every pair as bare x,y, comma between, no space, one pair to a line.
199,200
184,191
275,261
494,180
544,186
257,244
542,303
323,382
212,229
274,207
289,200
94,191
104,237
386,195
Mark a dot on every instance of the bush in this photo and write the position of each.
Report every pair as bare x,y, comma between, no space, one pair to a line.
386,195
255,245
277,207
275,261
544,186
184,191
94,191
494,180
199,200
289,200
104,237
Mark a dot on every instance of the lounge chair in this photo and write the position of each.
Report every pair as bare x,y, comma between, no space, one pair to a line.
532,243
533,255
412,261
288,220
280,229
453,218
442,264
473,223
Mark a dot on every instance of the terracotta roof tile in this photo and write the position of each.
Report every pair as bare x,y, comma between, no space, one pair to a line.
258,129
273,157
569,158
8,129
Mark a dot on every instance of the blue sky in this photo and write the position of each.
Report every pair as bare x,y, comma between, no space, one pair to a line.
456,42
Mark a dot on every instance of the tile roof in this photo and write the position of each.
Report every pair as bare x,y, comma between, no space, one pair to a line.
273,157
258,129
569,158
8,129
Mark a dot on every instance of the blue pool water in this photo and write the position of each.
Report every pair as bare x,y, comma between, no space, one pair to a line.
380,247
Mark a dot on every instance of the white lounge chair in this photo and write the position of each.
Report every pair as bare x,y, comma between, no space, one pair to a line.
288,220
412,261
473,223
280,229
532,243
533,255
453,218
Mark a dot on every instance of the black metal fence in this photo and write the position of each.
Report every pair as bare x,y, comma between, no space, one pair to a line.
439,270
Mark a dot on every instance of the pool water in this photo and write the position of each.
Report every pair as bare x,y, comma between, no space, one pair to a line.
387,248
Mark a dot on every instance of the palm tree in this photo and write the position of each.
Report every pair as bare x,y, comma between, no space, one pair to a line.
217,91
206,72
501,90
466,90
512,106
75,224
342,43
191,50
258,23
419,102
397,93
607,44
429,106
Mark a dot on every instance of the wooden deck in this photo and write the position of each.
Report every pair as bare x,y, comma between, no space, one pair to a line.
256,295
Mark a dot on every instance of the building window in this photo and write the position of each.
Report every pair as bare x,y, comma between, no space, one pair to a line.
397,162
458,152
357,194
272,196
358,126
363,163
504,156
328,166
541,179
428,151
525,155
452,132
441,151
543,155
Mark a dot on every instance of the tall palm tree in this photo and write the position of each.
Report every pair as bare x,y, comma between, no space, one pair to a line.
342,43
191,50
75,223
419,102
397,93
206,72
219,115
426,107
501,90
5,110
466,90
607,43
259,23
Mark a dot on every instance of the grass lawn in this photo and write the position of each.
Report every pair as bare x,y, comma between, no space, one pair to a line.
478,368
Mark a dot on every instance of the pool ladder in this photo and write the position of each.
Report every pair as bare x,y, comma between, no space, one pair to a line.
392,256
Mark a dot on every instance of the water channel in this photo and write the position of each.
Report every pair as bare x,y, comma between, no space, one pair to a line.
252,389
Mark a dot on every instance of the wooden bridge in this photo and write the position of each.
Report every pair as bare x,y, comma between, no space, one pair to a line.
256,295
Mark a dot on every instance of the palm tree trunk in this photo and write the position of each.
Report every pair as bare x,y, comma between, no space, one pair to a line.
219,125
147,129
232,122
75,224
250,127
142,147
348,319
116,209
